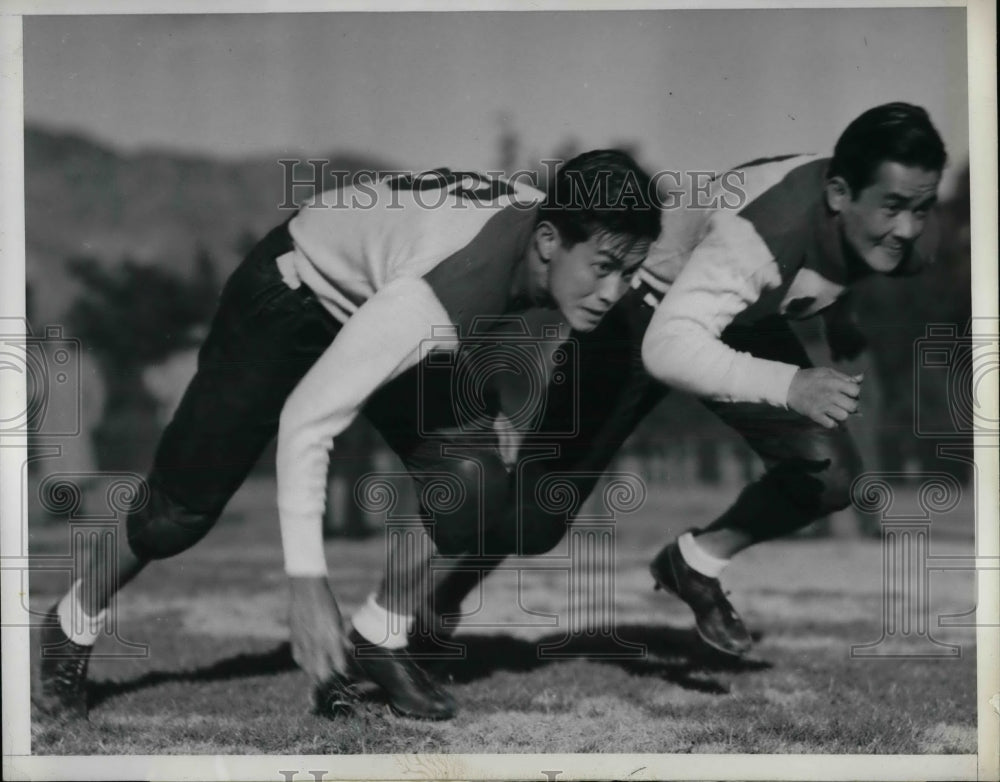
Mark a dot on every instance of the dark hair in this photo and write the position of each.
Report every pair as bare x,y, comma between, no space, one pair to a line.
894,132
603,191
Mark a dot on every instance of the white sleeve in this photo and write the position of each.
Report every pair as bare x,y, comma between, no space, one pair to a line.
727,272
379,342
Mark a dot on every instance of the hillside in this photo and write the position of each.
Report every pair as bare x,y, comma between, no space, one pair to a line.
84,198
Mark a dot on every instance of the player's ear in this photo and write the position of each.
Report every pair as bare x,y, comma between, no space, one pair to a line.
546,240
838,193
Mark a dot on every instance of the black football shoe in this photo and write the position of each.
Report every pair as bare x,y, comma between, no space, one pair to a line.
719,626
410,690
435,652
62,690
430,640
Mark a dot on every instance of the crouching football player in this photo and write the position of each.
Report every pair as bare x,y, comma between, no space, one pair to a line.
328,309
709,313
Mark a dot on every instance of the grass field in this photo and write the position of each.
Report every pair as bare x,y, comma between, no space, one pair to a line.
218,676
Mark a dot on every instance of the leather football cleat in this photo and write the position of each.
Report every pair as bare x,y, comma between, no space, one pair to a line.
410,690
719,626
430,640
62,691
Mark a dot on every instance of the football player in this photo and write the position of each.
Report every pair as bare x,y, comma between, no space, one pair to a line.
775,240
330,307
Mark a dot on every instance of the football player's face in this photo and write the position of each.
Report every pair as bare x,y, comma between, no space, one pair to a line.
881,224
586,280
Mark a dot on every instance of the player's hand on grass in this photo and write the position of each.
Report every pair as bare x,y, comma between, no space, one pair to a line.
824,395
319,640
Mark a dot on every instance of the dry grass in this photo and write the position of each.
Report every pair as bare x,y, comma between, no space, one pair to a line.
219,678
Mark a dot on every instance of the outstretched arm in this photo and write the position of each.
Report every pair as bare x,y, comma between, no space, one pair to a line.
380,341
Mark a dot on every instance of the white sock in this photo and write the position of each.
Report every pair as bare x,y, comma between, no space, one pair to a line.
699,559
78,626
380,626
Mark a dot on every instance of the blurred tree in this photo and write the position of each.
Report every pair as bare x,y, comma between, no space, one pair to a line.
129,317
568,149
897,312
35,449
132,314
709,469
245,243
508,145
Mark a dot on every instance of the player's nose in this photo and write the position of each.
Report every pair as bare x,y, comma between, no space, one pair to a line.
611,288
906,226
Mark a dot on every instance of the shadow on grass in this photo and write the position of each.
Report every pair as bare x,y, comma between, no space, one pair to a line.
670,654
277,660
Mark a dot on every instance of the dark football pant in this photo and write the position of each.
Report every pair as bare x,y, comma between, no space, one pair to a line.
264,337
809,468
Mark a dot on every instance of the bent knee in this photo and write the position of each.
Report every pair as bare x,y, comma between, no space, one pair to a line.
837,481
165,528
845,466
460,500
821,479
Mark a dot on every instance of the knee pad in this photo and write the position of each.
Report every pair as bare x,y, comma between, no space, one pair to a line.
836,494
462,500
164,527
822,482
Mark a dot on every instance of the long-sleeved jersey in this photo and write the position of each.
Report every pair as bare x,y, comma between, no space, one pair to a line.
393,262
762,242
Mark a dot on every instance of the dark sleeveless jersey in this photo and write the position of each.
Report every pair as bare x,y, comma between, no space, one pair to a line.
476,282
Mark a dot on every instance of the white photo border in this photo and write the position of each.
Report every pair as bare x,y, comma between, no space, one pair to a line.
18,763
